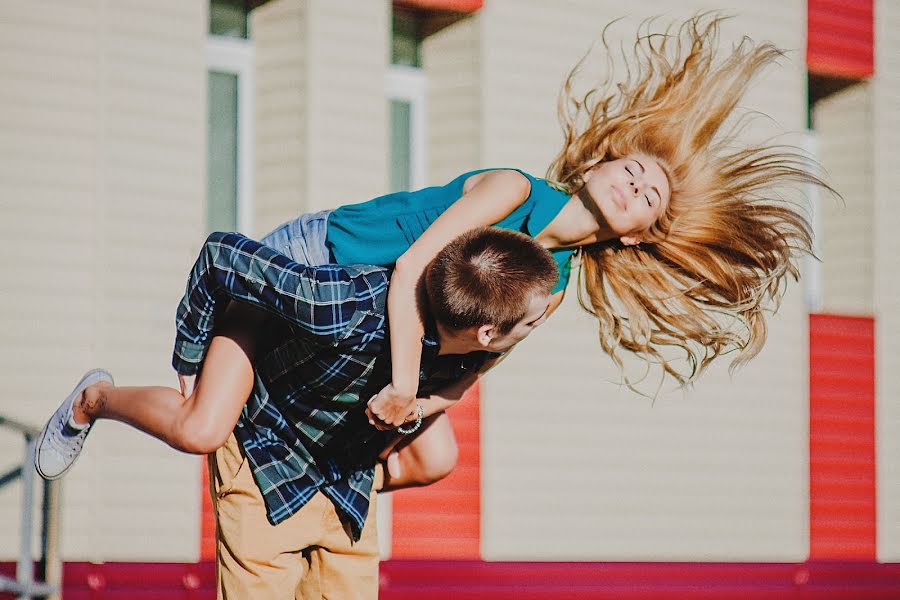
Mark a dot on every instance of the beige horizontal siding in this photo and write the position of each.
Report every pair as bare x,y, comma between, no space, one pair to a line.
886,111
578,468
321,105
101,192
452,64
279,36
348,109
844,140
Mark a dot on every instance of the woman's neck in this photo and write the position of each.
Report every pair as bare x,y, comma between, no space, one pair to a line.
579,223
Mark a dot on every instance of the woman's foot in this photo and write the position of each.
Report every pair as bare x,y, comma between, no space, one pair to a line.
62,438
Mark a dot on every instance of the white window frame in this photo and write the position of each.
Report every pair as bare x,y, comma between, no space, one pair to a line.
407,84
236,56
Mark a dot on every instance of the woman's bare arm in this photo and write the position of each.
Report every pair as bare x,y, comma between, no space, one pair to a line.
487,198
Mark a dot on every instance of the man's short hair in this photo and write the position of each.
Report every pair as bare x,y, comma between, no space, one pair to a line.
487,276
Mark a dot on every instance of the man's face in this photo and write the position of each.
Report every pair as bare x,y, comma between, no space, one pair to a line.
534,316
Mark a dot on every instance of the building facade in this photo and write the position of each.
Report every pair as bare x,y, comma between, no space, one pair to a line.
129,129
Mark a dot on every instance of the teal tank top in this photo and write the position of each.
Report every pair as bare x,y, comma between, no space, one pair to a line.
379,231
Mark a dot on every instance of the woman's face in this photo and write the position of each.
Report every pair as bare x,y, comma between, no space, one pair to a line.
631,193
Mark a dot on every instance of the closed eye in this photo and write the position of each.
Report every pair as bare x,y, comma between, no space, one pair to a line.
540,318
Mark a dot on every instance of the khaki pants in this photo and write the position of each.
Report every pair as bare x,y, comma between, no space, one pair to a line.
308,556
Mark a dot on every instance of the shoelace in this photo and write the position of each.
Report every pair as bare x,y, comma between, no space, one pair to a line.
68,445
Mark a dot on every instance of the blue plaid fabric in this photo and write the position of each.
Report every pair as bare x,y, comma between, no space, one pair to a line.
304,427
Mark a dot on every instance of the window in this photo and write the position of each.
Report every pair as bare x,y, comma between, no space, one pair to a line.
405,86
229,60
228,18
406,38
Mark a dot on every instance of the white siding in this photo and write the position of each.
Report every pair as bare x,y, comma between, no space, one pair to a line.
278,29
101,192
452,63
886,92
576,468
322,110
347,132
843,124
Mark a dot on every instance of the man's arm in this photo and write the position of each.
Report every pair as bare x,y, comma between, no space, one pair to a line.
449,395
320,300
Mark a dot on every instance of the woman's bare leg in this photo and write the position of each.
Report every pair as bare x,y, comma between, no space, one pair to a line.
423,458
200,423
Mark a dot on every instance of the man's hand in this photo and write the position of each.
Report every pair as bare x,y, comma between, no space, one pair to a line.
389,409
186,382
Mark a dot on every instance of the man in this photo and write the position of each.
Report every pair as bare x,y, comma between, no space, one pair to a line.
294,485
294,488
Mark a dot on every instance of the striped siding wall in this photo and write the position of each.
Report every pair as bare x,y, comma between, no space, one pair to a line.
49,204
844,135
153,147
321,107
278,30
452,62
886,122
102,183
578,468
347,113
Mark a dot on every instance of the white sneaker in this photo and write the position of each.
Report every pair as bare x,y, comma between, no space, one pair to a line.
60,443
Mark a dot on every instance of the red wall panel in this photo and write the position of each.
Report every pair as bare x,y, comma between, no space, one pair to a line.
439,521
461,6
840,38
476,580
841,437
207,518
444,520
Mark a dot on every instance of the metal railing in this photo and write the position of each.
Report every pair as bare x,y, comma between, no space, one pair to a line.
27,584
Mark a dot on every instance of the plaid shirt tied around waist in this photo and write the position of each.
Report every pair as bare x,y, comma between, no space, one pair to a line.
303,428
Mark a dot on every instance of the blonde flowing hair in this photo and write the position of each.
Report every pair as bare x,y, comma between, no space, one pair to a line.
721,253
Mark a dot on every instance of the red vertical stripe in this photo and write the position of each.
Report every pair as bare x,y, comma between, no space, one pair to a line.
443,520
207,518
840,38
461,6
842,438
440,521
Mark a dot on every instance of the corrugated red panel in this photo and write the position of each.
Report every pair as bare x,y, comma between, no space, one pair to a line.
841,437
134,581
476,580
207,518
439,521
426,580
840,38
443,520
460,6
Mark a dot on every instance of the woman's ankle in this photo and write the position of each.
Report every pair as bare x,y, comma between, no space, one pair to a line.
92,403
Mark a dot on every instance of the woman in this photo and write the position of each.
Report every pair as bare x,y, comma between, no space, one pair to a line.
674,228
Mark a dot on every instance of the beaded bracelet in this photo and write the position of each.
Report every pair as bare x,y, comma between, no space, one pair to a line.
420,414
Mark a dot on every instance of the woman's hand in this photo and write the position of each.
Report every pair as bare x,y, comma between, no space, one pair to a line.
390,408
